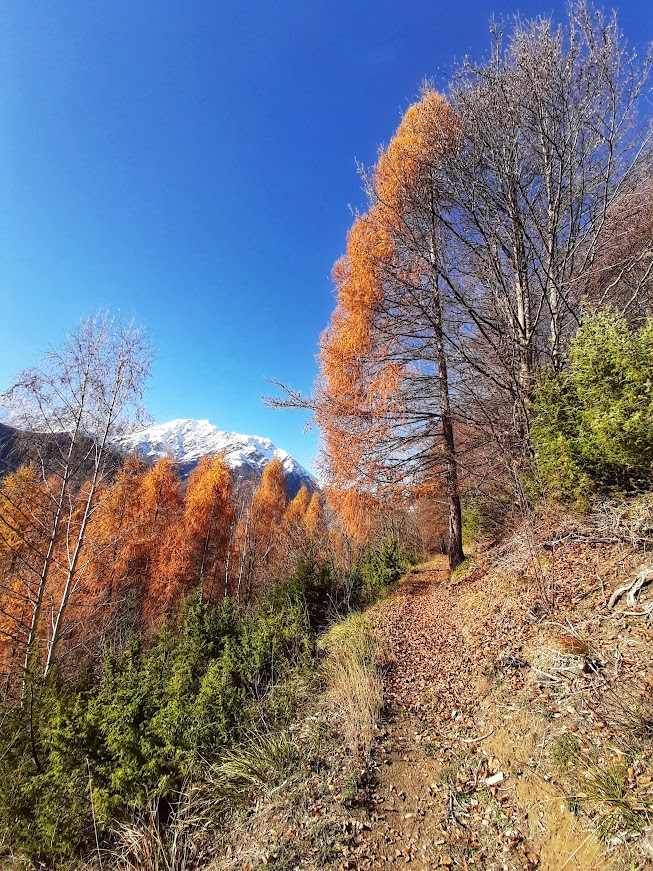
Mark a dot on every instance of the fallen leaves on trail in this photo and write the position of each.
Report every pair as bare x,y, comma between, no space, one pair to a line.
484,677
428,667
434,797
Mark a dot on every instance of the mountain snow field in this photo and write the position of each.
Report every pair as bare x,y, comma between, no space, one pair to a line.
186,441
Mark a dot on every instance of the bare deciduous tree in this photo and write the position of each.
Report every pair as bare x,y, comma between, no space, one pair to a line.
71,408
552,141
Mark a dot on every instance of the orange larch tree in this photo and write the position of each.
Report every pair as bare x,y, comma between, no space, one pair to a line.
208,515
259,529
292,536
25,516
383,401
156,546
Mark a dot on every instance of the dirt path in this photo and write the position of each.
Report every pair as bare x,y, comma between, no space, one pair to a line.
507,688
435,796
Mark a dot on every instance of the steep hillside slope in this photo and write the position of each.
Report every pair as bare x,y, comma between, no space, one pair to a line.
517,729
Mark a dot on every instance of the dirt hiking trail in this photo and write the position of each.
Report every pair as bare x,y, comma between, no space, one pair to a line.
454,780
517,725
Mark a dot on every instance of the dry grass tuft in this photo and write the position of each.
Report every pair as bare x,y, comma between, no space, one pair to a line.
620,812
354,687
145,844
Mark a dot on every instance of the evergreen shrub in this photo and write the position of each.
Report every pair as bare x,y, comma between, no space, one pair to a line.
593,422
78,759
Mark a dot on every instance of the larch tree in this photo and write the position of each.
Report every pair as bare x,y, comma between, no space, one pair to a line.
25,516
208,512
293,538
297,507
118,523
161,546
259,527
313,518
384,399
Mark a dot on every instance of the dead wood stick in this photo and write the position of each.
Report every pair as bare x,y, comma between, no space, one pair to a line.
644,576
476,740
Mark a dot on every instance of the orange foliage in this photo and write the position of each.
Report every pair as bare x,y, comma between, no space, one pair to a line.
271,494
149,542
314,522
119,521
157,549
358,511
24,512
260,531
369,404
208,515
297,508
301,528
428,132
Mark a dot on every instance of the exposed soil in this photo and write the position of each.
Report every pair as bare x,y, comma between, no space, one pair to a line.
517,731
482,686
429,801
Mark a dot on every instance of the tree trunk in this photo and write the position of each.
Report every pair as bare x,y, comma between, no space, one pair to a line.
455,544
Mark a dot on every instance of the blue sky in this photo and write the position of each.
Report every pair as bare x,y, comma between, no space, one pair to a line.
193,164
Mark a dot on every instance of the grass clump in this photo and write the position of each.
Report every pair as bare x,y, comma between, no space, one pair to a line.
460,572
566,749
618,809
354,687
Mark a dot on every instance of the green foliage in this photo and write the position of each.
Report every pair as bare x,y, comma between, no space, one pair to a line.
473,520
76,759
312,587
156,717
484,514
379,569
593,423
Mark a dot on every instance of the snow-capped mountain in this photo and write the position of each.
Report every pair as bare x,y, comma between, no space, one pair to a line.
187,441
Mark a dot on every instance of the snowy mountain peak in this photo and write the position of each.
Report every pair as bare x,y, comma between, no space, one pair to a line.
186,441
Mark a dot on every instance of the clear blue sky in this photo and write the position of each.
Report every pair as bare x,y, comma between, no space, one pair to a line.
192,164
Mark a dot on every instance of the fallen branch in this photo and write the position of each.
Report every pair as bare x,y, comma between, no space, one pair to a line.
476,740
645,576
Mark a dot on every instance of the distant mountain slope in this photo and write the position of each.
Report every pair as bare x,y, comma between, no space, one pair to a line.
186,441
19,446
8,447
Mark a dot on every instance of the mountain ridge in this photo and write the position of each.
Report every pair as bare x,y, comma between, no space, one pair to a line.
187,440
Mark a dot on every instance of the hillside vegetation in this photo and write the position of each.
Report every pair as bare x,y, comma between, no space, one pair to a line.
443,658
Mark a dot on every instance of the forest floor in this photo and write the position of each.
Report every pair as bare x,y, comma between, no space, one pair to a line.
518,722
517,726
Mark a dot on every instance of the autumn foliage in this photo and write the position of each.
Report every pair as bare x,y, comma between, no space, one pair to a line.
151,540
383,402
